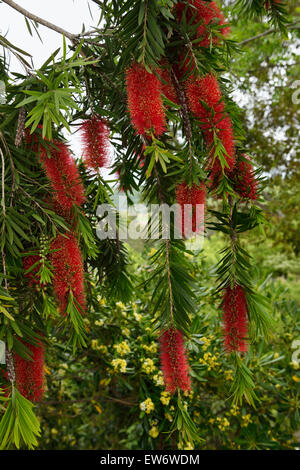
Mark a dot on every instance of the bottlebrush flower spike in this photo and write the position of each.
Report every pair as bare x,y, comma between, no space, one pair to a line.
68,273
145,101
191,198
204,98
95,136
203,13
244,180
30,373
64,177
174,361
204,90
225,134
32,276
235,319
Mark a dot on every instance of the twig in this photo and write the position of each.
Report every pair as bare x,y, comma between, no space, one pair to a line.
266,33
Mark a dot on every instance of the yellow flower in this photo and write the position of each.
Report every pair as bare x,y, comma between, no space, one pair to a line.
99,322
169,417
151,349
125,332
147,406
246,419
119,365
223,423
228,374
101,300
165,398
120,305
154,432
234,411
137,316
206,342
148,366
189,394
122,348
158,379
295,378
210,361
99,347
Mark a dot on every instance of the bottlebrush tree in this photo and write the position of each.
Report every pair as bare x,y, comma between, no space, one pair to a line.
148,83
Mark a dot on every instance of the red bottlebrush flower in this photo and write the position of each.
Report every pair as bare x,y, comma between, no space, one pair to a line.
68,273
174,362
204,97
204,90
225,134
66,214
64,177
235,319
191,199
145,101
244,180
30,373
32,276
203,13
95,134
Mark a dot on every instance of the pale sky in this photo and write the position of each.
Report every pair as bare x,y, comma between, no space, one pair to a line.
68,14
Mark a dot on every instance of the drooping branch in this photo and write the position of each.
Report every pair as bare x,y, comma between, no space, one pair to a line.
39,20
57,29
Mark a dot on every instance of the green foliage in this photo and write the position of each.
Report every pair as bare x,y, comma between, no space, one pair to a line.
97,402
88,389
19,424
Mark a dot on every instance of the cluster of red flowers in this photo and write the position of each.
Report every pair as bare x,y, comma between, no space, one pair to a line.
205,101
63,175
191,199
68,190
60,169
145,101
243,178
235,319
174,361
30,373
68,271
204,14
95,134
